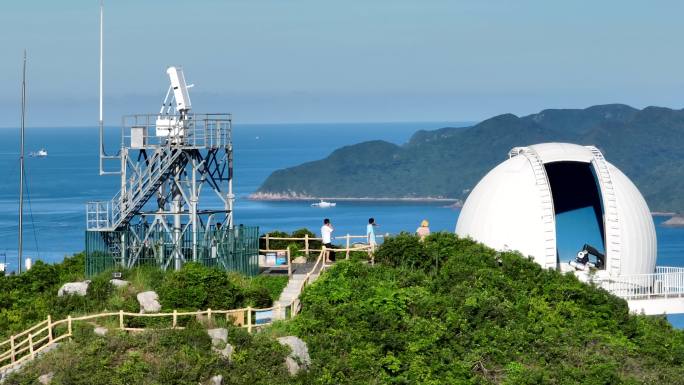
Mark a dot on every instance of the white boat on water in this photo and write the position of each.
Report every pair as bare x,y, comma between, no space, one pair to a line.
323,204
42,153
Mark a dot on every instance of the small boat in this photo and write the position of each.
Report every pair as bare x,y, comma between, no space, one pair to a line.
42,153
323,204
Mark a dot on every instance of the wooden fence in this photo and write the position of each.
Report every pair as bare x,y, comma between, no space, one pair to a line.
25,345
349,247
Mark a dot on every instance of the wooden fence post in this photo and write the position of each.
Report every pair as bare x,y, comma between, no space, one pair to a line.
121,320
14,358
289,263
347,257
267,243
30,338
69,327
249,319
306,245
209,316
49,326
175,318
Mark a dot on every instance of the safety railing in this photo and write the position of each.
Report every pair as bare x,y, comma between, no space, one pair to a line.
193,131
230,249
27,344
288,254
107,215
317,269
306,242
666,282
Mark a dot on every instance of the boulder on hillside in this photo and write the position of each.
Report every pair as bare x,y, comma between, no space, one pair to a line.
118,282
299,354
149,302
218,335
219,342
74,288
216,380
100,331
45,379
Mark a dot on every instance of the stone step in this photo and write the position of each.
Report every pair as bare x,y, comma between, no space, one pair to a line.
288,297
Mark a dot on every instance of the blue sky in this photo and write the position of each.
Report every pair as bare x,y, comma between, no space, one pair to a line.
333,61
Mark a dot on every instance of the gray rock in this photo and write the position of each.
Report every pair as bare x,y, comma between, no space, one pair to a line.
218,335
16,368
100,331
298,358
118,282
216,380
675,221
226,352
74,288
299,259
46,378
149,302
219,342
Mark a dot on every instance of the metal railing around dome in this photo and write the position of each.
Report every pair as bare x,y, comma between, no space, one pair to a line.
666,282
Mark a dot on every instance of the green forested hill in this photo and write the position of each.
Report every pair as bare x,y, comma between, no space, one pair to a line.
647,145
444,310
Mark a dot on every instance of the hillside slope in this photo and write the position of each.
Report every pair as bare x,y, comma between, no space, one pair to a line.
440,311
645,144
450,311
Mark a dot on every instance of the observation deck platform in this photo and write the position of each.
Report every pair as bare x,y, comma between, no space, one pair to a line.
661,292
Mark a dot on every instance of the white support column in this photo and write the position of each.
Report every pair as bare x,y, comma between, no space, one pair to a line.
176,207
193,209
230,197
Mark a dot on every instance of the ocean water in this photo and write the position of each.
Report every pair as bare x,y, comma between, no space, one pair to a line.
60,184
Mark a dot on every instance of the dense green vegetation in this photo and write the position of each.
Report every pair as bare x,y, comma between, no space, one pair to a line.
645,144
443,311
449,311
28,298
158,357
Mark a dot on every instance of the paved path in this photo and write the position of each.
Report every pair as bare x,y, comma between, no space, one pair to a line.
294,285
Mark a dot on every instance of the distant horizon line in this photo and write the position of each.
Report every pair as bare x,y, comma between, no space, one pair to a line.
460,122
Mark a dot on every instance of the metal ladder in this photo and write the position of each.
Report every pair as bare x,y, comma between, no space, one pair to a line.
546,197
611,222
113,242
144,185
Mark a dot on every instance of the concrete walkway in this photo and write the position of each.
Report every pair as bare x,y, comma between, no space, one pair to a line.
294,286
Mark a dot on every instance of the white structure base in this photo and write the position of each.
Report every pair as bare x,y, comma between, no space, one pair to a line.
657,306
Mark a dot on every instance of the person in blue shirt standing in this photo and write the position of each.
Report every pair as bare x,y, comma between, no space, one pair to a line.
370,234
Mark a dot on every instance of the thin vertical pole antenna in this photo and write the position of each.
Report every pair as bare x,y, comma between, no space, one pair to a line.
20,253
101,121
103,154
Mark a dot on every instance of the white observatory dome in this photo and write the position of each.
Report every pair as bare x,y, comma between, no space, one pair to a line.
552,197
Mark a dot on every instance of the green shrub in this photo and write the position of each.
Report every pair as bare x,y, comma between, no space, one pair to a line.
450,310
199,287
403,249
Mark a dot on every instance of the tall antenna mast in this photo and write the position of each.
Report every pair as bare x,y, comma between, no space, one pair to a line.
20,254
101,121
103,154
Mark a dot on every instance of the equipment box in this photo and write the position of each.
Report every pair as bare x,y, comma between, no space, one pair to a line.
138,137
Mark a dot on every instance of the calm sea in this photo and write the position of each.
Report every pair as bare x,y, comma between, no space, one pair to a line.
59,186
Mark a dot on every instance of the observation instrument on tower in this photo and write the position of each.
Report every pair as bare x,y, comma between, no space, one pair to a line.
175,203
